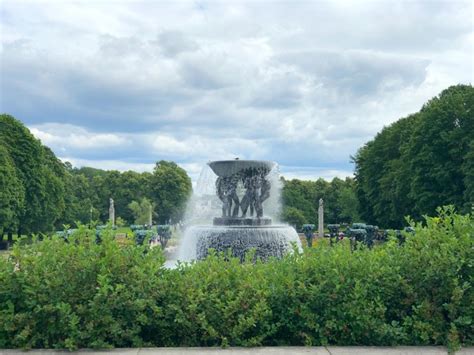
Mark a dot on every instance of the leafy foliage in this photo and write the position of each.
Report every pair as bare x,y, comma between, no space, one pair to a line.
12,193
79,294
294,217
167,189
419,162
170,189
141,211
301,200
39,173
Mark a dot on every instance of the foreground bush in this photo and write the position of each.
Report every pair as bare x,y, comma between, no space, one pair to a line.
78,294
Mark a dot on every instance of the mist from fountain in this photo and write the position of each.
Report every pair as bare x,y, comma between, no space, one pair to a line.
199,234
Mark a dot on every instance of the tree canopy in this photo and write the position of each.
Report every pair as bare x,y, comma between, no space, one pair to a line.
420,162
301,200
170,189
12,194
141,211
40,174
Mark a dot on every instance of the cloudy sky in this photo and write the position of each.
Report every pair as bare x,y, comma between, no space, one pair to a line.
122,84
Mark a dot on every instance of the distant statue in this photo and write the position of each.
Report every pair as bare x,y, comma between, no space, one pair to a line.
321,218
333,233
308,233
111,212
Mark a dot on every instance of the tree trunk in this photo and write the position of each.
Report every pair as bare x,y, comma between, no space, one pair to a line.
10,237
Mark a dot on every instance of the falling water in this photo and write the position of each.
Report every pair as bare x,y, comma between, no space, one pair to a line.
199,234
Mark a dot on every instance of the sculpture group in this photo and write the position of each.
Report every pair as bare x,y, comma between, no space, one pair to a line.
257,190
243,186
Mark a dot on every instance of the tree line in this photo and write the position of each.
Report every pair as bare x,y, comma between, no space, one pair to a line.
165,190
420,162
39,193
301,201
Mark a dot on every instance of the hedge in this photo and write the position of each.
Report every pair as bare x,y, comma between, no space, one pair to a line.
79,294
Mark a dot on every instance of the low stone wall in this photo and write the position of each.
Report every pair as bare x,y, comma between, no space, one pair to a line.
320,350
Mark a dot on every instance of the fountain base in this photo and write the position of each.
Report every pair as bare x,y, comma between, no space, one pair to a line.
267,241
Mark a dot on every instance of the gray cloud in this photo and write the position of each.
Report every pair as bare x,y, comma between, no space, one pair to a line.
173,43
358,73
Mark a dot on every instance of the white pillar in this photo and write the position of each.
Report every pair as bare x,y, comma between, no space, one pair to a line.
321,218
112,212
150,218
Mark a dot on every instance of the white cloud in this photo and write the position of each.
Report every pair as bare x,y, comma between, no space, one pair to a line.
313,173
108,164
64,137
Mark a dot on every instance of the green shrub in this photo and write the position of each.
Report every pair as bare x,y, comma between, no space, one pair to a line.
79,294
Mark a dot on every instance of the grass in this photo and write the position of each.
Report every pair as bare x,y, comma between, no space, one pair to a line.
123,230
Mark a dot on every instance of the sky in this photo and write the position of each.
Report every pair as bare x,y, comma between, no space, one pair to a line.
123,84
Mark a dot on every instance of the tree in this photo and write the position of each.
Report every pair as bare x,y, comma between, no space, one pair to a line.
54,174
170,190
12,194
468,168
78,200
381,174
339,199
40,174
294,217
92,188
300,195
132,186
437,150
141,210
419,162
348,203
331,196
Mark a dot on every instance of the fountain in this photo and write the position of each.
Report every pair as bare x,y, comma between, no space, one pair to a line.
242,225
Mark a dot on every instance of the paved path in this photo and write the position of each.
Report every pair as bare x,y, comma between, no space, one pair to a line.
297,350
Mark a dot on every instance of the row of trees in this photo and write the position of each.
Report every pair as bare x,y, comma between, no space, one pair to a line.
420,162
301,201
166,191
39,193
